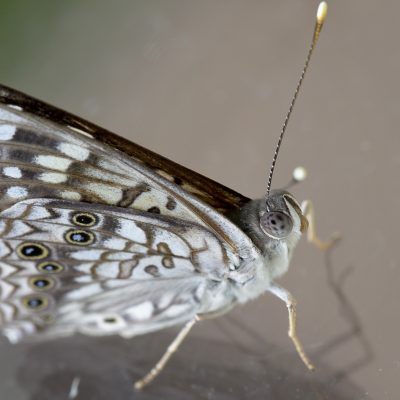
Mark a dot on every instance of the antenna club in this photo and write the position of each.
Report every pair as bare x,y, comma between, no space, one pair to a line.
321,12
299,174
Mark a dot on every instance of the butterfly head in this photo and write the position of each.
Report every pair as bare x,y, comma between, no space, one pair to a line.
281,216
271,221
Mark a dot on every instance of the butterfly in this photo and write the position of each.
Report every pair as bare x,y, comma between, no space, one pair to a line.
101,236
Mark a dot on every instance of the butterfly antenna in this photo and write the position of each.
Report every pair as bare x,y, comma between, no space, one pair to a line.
320,19
299,175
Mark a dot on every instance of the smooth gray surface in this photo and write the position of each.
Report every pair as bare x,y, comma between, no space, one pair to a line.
207,84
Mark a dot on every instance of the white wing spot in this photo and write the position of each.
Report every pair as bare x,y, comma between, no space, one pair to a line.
15,107
6,271
165,300
7,132
19,229
142,311
108,193
86,268
177,246
84,278
130,230
4,251
13,335
104,176
12,172
53,162
108,269
17,192
81,131
53,177
118,256
92,254
84,291
6,288
176,310
38,212
8,312
16,211
115,243
72,150
67,195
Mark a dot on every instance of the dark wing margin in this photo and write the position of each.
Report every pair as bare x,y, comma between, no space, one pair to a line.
214,194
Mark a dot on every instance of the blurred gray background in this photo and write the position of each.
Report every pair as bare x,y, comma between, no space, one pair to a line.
207,84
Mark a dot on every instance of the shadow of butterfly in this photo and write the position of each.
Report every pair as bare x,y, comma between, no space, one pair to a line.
101,236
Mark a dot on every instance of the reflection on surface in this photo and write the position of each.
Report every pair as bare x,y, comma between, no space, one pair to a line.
103,368
203,369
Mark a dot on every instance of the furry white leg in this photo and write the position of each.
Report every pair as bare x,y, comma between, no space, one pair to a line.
149,377
290,302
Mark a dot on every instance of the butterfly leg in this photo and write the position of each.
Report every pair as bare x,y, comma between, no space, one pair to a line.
149,377
308,211
287,297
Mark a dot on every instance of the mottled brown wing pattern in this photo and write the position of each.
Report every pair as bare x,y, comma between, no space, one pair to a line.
39,160
41,157
98,235
217,196
98,269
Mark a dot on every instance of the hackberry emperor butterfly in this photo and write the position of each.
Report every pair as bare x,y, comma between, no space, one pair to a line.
101,236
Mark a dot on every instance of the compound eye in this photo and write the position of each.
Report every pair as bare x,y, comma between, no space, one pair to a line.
276,224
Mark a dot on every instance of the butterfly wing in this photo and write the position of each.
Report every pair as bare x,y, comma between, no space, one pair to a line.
142,211
214,194
46,153
100,270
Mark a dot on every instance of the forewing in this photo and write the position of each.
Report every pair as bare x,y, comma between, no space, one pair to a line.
69,266
213,193
46,153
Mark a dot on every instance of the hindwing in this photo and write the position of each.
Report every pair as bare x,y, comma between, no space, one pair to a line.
76,264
